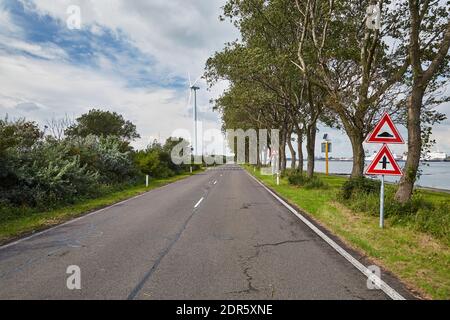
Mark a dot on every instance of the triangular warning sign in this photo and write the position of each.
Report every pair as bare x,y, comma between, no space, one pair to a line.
385,132
384,164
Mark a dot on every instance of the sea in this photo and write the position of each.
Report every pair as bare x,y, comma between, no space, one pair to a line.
433,174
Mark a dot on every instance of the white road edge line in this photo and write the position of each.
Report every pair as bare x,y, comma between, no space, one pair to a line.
82,217
198,203
394,295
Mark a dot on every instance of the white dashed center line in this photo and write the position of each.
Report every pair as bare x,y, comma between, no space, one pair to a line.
198,203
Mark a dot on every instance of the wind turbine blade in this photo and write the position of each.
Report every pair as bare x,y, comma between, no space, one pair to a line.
190,97
196,81
190,82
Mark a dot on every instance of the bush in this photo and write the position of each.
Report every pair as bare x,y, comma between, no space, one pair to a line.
298,179
39,173
45,175
152,162
359,186
425,216
435,221
315,183
157,162
105,156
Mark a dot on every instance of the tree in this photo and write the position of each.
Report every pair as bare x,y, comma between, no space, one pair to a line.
58,127
156,159
263,59
357,72
428,30
102,124
19,134
16,138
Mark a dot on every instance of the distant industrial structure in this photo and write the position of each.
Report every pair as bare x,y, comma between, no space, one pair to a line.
435,156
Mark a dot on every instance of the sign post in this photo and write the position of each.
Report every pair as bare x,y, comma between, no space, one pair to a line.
326,148
384,163
382,202
275,165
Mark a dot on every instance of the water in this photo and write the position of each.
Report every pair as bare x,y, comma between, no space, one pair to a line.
434,174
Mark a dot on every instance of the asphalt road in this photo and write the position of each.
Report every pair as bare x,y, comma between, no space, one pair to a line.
236,243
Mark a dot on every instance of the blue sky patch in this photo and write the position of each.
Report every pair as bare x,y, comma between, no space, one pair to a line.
87,49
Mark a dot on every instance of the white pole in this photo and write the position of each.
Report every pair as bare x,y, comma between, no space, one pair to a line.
278,178
195,122
382,203
146,181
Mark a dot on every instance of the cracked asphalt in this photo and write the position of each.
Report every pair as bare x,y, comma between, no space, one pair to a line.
238,243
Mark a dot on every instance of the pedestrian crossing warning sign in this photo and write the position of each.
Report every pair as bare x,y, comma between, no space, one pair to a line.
385,132
384,164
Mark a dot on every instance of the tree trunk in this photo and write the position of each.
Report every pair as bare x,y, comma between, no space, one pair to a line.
310,148
357,140
292,150
406,185
300,150
283,152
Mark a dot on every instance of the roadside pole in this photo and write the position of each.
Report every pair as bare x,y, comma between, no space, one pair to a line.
327,149
382,203
276,165
146,181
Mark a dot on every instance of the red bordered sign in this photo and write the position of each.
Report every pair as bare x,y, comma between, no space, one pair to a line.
385,132
384,164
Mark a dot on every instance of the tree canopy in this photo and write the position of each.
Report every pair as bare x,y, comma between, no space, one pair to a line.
102,124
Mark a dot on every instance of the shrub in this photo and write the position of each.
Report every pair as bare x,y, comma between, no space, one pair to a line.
39,173
359,186
315,183
46,175
150,163
425,216
105,156
435,222
157,162
298,179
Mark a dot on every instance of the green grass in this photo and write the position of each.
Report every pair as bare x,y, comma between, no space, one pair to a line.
29,221
419,259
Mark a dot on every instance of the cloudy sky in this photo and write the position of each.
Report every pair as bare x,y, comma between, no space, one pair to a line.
130,56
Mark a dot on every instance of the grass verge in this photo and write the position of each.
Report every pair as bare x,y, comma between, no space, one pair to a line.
31,221
420,260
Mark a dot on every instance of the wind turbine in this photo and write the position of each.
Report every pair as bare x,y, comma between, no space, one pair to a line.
193,87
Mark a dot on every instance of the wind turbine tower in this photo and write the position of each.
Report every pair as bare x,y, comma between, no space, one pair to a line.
194,88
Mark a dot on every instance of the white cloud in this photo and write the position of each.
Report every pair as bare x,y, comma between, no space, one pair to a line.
178,35
48,51
55,89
